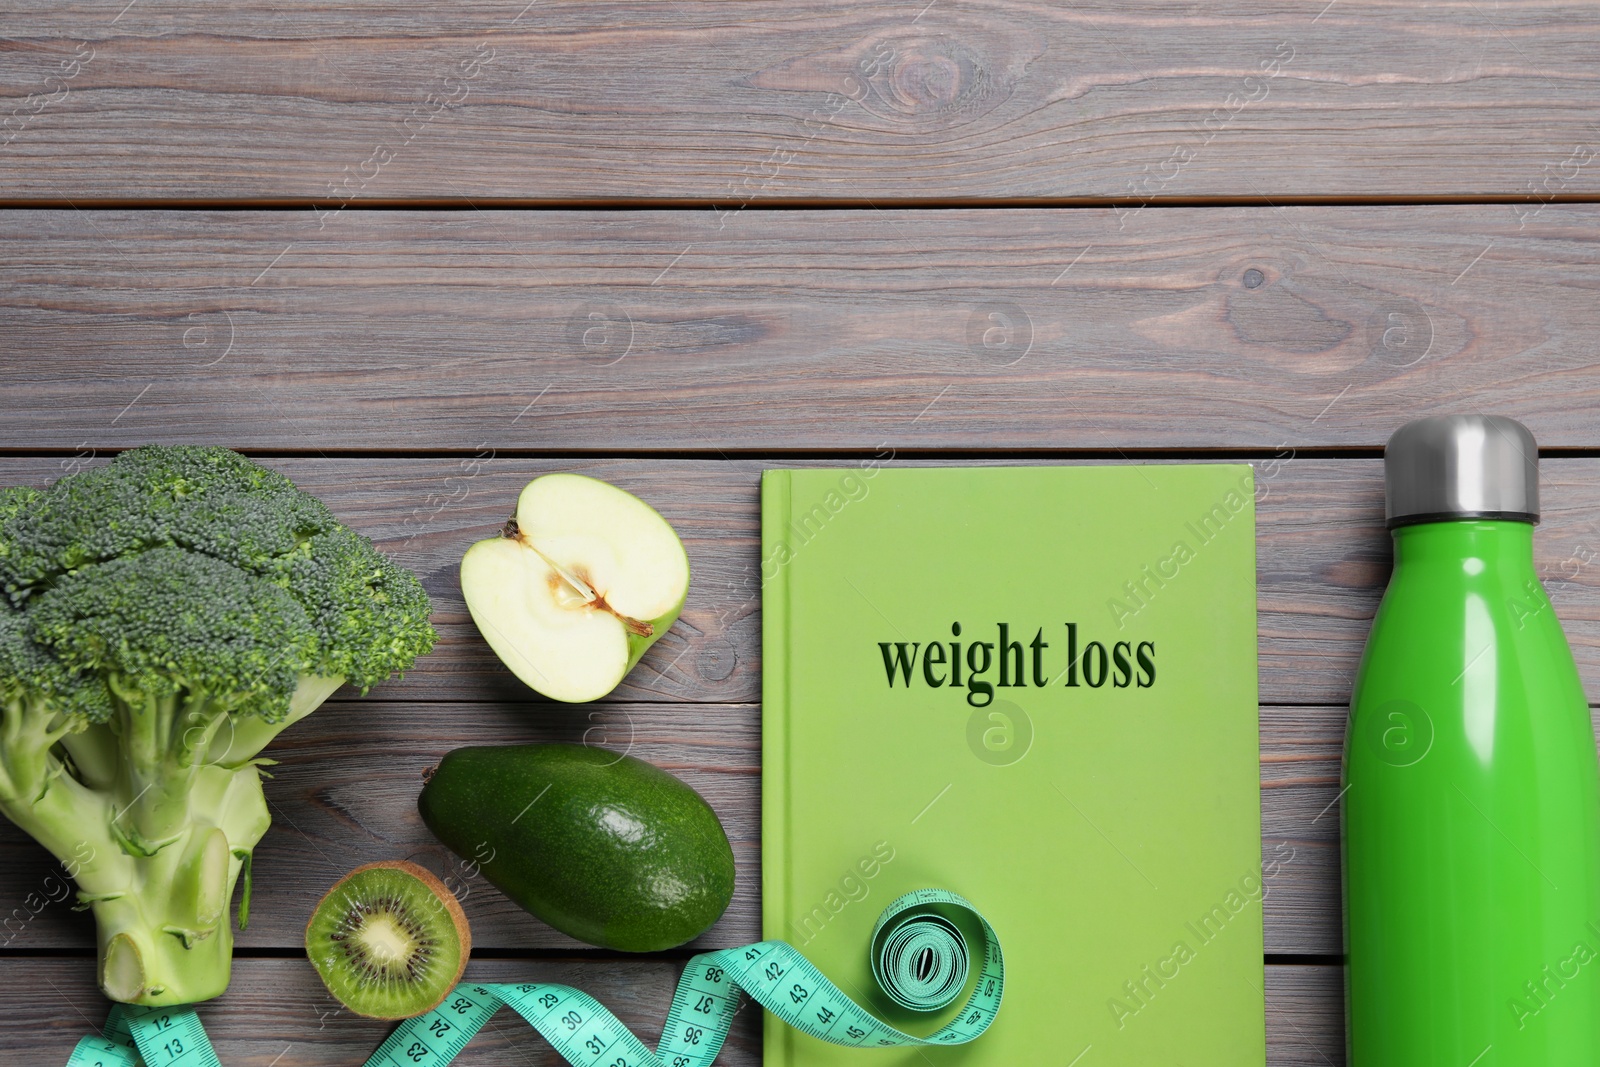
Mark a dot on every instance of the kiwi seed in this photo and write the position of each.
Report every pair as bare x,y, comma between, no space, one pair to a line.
389,940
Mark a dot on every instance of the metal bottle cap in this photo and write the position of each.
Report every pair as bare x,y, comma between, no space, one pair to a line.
1458,467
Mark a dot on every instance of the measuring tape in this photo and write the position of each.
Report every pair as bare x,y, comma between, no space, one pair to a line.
918,955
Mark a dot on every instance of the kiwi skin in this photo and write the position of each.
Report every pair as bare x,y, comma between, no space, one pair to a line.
452,907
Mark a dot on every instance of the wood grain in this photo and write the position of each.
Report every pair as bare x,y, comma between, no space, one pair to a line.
277,1008
1305,1016
276,1012
345,793
796,331
1322,562
697,100
351,344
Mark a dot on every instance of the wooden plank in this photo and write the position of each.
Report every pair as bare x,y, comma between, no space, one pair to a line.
345,794
1322,563
1305,1016
1300,755
276,1013
1002,331
796,100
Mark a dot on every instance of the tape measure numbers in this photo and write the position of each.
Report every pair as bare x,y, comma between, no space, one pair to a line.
918,953
165,1037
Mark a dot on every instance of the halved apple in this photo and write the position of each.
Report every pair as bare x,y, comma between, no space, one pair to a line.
577,586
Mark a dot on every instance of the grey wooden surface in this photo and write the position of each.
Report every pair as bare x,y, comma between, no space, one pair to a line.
1322,560
985,330
285,100
349,775
414,255
279,1013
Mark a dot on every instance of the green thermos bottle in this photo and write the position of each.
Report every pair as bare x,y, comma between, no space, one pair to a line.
1471,803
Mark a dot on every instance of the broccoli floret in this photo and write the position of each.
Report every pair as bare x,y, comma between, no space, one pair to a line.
207,500
29,672
366,609
15,499
41,701
163,618
166,622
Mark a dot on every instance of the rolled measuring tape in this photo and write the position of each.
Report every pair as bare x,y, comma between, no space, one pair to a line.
918,953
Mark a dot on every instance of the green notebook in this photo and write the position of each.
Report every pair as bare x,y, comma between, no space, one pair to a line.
1036,687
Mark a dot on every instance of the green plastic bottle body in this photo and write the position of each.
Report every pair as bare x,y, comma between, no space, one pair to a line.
1471,817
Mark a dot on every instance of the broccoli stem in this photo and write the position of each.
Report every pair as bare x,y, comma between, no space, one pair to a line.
73,822
162,920
245,737
165,738
29,728
94,755
166,939
161,912
70,819
143,963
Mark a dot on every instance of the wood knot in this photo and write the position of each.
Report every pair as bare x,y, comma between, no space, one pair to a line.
924,80
920,77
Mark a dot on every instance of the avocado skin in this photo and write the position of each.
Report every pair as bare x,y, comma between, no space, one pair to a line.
616,852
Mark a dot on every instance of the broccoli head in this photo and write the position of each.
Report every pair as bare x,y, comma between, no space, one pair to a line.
166,622
162,618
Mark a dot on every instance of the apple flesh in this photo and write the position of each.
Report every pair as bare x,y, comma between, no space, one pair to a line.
578,585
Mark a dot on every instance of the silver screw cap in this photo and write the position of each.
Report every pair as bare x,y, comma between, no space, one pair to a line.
1460,467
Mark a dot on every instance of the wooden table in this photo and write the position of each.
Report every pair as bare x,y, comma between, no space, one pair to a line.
414,255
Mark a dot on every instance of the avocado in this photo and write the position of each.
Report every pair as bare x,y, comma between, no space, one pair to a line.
606,848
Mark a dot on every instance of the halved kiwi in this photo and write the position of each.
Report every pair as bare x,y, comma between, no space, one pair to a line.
389,940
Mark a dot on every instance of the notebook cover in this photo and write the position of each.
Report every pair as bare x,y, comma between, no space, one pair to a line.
1111,832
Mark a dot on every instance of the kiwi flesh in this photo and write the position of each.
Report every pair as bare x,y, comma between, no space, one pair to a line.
389,940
